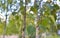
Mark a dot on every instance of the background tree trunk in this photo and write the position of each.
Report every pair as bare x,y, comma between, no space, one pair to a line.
24,22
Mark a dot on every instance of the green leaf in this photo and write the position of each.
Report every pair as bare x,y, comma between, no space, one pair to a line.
10,1
31,29
22,9
45,21
53,20
33,9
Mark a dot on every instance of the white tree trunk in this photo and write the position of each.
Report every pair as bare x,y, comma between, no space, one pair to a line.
37,32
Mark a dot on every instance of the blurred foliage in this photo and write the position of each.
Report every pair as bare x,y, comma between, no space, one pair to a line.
47,20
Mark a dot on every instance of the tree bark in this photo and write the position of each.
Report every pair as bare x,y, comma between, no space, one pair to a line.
37,19
37,27
24,22
37,31
4,32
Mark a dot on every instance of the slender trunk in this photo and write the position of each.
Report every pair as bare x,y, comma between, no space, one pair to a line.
37,31
24,22
36,23
37,28
4,33
24,26
38,18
